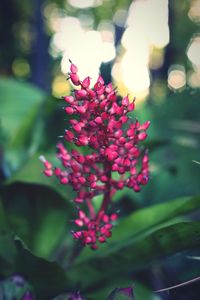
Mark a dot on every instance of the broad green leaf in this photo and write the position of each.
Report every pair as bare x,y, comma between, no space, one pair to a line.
32,172
38,215
47,278
138,252
20,107
144,221
142,292
139,236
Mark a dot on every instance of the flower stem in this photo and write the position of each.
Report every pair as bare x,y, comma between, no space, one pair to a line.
106,199
90,208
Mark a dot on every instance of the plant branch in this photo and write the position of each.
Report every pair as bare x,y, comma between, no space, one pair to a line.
178,285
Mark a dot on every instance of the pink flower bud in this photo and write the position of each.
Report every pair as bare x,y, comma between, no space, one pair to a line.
69,99
98,120
73,68
104,178
86,82
144,126
131,106
113,217
79,222
81,179
82,141
100,80
81,214
78,200
91,93
102,239
47,164
105,218
118,133
88,240
124,119
77,235
109,88
125,101
108,233
57,171
64,180
81,109
74,78
77,127
142,136
48,173
69,136
81,94
69,110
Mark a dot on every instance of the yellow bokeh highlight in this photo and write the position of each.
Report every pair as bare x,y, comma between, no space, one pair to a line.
21,68
60,86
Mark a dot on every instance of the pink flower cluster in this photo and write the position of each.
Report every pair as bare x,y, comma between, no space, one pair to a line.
100,122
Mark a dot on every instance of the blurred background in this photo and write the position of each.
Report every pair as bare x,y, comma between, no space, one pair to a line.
150,49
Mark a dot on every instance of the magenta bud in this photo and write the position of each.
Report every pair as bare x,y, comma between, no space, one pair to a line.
69,110
131,106
73,68
69,136
82,140
64,180
79,222
100,79
78,200
81,93
105,218
104,178
113,217
86,82
47,164
98,120
81,109
142,136
81,214
74,78
57,171
69,99
48,173
102,239
144,126
125,101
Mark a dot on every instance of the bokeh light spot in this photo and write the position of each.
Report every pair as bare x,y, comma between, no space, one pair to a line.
176,77
21,68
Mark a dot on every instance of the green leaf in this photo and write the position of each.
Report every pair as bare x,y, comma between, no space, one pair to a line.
39,216
142,292
145,221
32,172
47,278
20,108
136,253
140,239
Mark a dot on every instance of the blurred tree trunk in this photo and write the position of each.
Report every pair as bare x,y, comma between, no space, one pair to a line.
39,57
